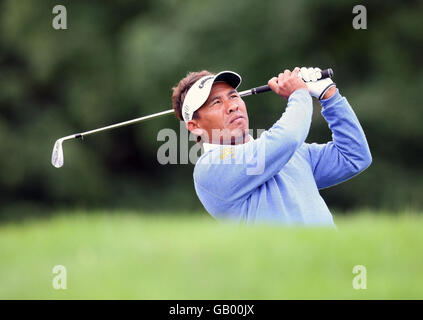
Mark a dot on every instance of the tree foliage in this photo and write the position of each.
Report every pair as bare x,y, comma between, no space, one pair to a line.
118,60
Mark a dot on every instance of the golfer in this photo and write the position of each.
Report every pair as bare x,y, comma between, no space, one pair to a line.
275,178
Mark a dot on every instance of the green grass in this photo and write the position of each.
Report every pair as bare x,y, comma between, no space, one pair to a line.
131,256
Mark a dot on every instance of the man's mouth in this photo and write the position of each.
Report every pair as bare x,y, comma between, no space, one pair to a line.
237,117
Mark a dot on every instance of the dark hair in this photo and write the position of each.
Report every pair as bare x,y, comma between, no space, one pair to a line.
181,90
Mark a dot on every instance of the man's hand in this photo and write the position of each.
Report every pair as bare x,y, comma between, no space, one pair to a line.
321,89
286,83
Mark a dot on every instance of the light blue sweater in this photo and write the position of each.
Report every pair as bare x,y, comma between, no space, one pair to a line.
276,178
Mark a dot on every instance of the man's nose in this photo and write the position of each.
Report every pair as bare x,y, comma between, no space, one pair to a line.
232,106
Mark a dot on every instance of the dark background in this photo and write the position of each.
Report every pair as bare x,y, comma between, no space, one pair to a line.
118,60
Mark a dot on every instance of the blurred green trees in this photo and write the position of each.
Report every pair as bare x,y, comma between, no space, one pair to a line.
119,59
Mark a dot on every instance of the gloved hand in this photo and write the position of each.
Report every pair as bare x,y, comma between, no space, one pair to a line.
316,87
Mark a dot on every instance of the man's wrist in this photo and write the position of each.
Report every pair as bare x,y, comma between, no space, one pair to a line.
300,93
299,90
328,94
326,103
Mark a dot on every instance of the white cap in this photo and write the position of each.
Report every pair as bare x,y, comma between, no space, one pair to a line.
199,92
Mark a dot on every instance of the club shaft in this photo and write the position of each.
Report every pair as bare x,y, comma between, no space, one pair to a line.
125,123
326,73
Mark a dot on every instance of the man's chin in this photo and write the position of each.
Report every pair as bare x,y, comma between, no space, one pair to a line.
238,140
237,136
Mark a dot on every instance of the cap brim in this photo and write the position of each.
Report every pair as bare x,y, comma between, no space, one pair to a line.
230,77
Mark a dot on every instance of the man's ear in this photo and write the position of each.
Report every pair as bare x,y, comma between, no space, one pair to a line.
194,127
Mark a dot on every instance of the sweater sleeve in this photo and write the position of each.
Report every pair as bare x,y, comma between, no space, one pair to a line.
348,153
232,172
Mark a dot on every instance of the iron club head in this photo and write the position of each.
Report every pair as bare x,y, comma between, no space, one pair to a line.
57,155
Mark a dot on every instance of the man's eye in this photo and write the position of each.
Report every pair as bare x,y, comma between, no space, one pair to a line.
215,102
234,96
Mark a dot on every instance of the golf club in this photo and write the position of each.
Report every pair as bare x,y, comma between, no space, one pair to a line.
57,157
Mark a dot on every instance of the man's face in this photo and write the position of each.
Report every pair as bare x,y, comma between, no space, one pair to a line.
223,118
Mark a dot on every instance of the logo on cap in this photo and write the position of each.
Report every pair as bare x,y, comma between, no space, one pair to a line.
201,85
186,112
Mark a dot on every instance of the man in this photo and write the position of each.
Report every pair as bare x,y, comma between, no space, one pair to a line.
285,189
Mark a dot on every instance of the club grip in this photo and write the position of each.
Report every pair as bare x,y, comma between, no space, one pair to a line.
326,73
260,89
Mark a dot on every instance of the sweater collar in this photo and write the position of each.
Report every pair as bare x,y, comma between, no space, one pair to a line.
210,146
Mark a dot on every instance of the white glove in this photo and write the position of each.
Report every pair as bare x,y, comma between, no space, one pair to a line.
316,87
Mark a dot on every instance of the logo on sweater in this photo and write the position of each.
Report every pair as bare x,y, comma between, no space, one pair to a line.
226,152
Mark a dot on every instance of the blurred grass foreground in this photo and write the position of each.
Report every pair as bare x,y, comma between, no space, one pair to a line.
127,255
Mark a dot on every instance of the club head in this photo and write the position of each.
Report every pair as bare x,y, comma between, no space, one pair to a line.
57,155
